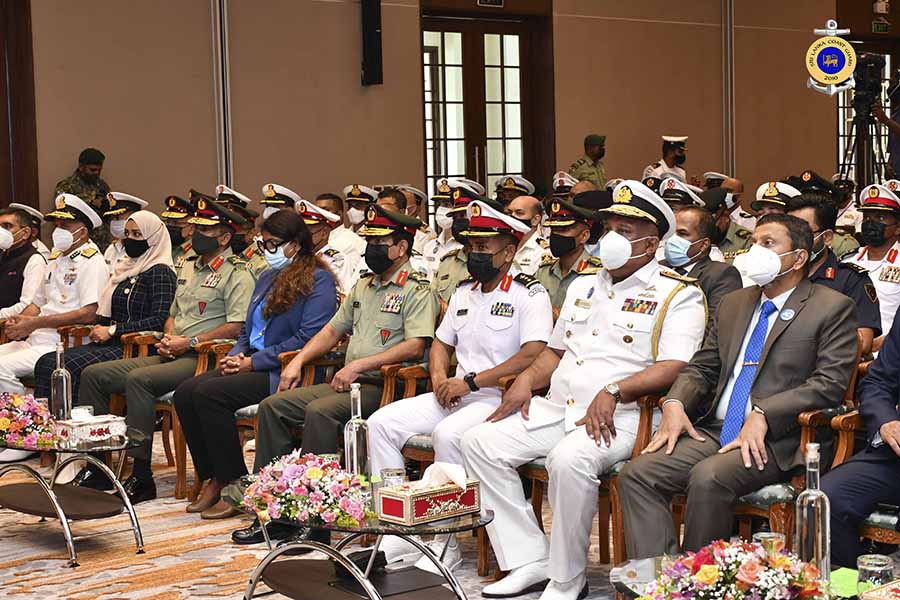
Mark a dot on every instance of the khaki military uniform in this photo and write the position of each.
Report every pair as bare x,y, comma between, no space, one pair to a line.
584,169
378,316
95,196
256,262
557,283
736,238
450,273
207,296
843,244
180,254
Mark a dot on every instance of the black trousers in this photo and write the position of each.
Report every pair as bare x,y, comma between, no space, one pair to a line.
205,406
853,489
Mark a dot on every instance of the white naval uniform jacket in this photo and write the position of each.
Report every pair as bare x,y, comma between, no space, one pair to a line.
608,332
885,275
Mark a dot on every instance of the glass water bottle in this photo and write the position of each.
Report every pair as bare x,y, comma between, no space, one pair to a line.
356,436
813,517
61,387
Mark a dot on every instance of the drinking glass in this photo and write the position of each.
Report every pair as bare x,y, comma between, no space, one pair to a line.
874,570
392,477
771,541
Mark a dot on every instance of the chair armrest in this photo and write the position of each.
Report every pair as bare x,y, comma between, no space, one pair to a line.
140,339
863,369
647,405
389,375
203,350
211,345
73,334
506,382
846,427
414,372
285,357
810,420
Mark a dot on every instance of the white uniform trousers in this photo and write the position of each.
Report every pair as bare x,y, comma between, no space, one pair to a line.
493,452
17,359
390,427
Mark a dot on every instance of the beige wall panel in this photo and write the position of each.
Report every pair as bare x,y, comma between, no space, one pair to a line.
301,117
782,127
133,79
636,80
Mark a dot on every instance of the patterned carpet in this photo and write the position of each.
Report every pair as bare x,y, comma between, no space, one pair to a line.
185,557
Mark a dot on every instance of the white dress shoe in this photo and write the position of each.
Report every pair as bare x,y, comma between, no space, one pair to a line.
11,455
452,556
397,549
521,580
574,589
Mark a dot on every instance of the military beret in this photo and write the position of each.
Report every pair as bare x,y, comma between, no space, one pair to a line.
595,140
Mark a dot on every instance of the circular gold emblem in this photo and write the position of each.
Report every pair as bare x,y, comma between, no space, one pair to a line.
623,195
554,208
771,191
476,210
830,60
60,202
270,191
670,184
371,214
301,207
873,191
201,204
355,191
806,176
172,202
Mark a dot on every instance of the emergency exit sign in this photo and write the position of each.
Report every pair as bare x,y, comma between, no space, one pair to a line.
491,3
880,27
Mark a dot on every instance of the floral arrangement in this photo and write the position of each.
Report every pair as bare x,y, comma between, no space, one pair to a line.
25,423
737,570
310,489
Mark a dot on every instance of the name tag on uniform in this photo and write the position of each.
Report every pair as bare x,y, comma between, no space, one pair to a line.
644,307
462,312
392,303
890,274
212,280
502,309
582,303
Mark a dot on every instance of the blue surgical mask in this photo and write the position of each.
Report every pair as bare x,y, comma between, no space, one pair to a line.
277,260
677,249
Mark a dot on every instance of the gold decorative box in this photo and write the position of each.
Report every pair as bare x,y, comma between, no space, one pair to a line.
415,503
890,591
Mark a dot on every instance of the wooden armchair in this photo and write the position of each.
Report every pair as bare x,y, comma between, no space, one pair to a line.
879,526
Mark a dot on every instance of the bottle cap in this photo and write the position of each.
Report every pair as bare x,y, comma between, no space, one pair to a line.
812,451
354,386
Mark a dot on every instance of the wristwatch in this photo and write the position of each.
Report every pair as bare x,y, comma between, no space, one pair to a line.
613,390
112,329
469,378
194,341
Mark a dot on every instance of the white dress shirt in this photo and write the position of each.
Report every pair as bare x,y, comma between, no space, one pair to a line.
778,301
885,275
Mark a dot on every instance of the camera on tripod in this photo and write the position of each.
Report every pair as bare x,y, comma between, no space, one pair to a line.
868,75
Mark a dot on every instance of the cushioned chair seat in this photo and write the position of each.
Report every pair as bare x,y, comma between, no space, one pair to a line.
880,519
166,398
420,442
248,412
779,493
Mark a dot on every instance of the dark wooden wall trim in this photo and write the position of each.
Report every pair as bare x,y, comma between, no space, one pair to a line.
18,155
510,7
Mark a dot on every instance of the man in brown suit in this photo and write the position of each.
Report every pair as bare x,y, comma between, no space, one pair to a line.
729,422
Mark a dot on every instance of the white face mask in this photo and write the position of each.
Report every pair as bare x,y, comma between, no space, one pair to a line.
6,239
269,211
117,228
760,265
64,239
441,218
615,250
355,215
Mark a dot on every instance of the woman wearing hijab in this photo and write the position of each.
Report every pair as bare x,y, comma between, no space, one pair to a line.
137,298
293,299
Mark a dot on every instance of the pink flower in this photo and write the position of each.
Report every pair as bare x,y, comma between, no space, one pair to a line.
328,516
281,486
749,572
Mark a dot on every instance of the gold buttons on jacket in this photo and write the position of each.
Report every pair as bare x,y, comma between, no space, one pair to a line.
627,339
570,402
568,333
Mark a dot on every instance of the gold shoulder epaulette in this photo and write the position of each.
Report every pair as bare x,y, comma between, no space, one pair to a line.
418,277
674,275
331,252
451,253
238,261
548,260
89,252
732,255
54,255
526,280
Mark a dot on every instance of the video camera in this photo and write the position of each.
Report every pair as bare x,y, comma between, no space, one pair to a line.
867,89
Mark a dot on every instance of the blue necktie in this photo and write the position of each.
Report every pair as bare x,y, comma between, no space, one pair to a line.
740,393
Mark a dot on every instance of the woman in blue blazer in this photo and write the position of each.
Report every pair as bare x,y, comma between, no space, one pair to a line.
293,299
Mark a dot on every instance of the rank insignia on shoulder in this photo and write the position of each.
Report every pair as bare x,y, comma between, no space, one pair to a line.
526,280
502,309
89,252
549,260
543,243
582,303
829,273
331,252
449,254
418,277
237,261
743,233
180,262
462,312
858,268
644,307
674,275
54,255
733,255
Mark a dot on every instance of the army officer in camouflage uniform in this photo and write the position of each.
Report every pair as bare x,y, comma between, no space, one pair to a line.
590,166
211,299
390,316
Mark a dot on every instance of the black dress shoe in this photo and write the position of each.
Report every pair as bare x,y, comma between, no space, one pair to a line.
306,535
91,478
139,490
254,535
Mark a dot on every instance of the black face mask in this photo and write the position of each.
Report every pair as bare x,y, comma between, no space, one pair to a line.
560,245
679,159
481,266
204,244
873,233
601,153
525,222
89,178
456,229
135,248
377,258
175,234
239,243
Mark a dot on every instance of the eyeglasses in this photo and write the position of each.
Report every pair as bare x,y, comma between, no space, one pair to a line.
269,246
